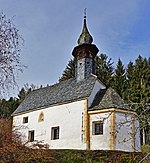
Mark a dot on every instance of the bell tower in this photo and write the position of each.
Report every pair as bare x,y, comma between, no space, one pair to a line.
85,53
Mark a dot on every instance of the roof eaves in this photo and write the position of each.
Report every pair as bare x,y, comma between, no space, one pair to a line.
46,106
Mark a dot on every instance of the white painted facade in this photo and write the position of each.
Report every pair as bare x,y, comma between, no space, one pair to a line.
69,118
100,142
137,135
126,131
71,121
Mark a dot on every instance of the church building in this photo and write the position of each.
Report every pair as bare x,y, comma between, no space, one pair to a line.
79,113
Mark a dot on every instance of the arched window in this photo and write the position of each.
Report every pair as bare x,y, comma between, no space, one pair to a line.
41,117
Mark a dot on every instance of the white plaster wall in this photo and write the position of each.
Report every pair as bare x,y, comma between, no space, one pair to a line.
100,142
67,116
20,128
123,132
96,88
137,136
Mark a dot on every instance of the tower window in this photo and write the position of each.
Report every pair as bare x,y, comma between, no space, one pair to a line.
31,136
98,128
25,119
41,117
55,133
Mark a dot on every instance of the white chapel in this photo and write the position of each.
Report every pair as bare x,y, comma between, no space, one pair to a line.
79,113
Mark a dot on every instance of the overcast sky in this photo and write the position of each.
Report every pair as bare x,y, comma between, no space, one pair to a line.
50,28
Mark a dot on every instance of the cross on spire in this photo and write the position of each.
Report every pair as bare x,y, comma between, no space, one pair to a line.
85,37
85,12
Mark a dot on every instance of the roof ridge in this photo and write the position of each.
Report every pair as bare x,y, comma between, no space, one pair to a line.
53,84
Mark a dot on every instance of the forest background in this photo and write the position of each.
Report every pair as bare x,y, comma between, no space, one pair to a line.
131,81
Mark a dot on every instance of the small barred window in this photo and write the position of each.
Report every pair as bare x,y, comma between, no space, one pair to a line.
98,128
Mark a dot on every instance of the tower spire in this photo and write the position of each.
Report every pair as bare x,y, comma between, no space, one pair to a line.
85,53
85,37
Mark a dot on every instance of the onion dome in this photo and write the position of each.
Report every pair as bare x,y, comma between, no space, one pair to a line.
85,37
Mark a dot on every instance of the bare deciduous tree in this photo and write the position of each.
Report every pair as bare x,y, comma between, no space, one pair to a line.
10,48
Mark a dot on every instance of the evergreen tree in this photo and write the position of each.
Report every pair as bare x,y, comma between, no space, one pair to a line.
21,95
69,72
130,81
2,108
11,106
119,79
138,94
7,107
104,69
138,76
